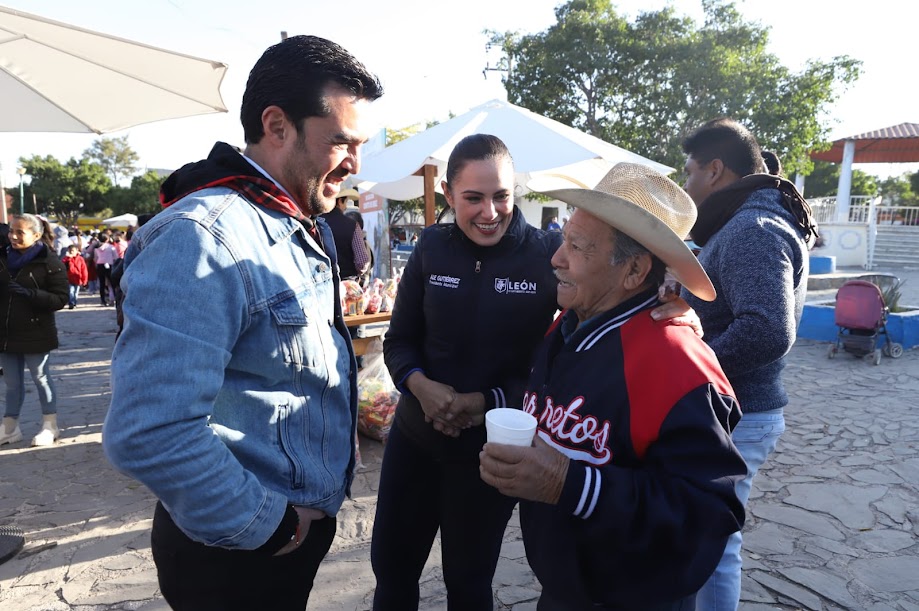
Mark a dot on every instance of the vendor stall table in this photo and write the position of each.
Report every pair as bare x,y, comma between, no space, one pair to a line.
361,343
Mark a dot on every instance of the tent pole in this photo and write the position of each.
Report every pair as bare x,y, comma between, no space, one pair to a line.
430,173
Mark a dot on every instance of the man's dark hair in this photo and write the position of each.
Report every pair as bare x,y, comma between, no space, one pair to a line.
476,147
773,163
294,74
729,141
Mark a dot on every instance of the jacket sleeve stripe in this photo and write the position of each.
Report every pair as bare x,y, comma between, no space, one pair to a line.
587,476
590,493
596,495
502,399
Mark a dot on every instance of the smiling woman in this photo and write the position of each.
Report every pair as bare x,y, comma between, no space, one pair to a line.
481,199
475,298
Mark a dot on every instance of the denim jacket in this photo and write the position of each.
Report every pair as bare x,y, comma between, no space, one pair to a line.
234,381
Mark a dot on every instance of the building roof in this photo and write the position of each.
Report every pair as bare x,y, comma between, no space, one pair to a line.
895,144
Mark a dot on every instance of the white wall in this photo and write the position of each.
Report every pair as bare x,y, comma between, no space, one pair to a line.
532,210
847,242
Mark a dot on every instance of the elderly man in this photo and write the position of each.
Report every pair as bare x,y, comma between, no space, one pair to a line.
628,489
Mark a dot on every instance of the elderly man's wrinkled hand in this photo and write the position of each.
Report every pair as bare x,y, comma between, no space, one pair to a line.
676,310
535,473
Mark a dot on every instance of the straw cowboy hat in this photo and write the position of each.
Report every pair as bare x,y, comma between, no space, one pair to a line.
646,206
351,194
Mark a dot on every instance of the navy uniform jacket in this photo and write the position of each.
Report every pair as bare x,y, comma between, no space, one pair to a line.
471,317
644,412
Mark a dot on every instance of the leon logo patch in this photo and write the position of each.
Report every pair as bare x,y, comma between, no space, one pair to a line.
507,286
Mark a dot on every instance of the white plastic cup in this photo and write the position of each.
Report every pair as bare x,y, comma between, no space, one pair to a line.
509,426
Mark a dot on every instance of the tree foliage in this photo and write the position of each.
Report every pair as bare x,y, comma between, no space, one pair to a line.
140,198
67,190
823,181
115,155
900,190
646,84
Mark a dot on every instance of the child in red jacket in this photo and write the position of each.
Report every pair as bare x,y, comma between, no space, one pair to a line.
77,273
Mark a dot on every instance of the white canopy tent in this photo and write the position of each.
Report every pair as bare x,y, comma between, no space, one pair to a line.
55,77
122,220
415,166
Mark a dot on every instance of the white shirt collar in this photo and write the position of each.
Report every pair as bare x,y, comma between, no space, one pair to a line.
269,177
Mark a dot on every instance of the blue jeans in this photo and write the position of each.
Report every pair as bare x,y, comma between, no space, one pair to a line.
73,294
546,603
755,436
14,365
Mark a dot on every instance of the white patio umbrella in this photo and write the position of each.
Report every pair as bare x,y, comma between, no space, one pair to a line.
537,144
122,220
55,77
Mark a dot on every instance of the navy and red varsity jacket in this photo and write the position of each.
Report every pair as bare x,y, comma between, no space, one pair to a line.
644,412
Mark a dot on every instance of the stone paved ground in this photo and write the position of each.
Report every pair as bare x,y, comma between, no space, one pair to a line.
833,520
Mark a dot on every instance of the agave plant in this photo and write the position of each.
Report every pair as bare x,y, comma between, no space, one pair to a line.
890,289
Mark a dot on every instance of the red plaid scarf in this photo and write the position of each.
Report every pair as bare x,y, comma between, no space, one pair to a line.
225,167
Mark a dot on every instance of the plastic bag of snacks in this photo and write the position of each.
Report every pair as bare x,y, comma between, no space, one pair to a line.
376,395
374,294
351,297
389,295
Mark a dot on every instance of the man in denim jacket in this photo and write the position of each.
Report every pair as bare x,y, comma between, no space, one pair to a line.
233,382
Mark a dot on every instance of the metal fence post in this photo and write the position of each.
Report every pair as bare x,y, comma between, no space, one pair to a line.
872,231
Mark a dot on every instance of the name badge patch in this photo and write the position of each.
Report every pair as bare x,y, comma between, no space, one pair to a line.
449,282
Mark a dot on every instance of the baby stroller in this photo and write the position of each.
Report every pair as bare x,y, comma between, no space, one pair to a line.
861,316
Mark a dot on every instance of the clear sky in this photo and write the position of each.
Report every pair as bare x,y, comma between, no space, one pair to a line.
430,56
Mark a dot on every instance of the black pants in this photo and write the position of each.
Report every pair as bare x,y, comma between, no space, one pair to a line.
196,577
417,495
104,274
